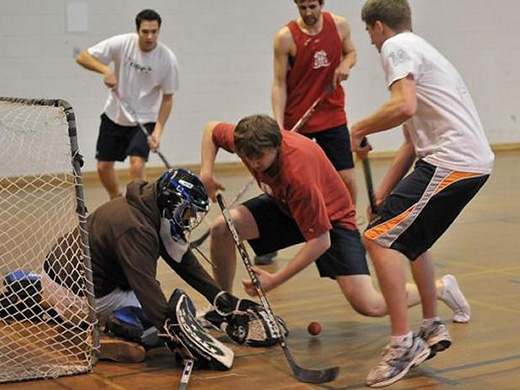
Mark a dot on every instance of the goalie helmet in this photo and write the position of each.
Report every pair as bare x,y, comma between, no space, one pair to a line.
182,199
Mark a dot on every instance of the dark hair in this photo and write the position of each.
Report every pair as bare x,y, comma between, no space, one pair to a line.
147,14
396,14
255,134
319,1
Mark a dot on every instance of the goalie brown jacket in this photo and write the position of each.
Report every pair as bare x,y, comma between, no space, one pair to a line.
125,246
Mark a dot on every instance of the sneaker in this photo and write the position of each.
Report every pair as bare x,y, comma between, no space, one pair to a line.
396,361
436,336
453,297
265,259
121,350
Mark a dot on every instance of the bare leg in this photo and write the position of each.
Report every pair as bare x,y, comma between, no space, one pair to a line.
222,246
390,271
349,178
367,301
108,177
423,274
137,167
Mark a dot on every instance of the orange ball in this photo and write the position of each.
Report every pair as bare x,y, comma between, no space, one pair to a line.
314,328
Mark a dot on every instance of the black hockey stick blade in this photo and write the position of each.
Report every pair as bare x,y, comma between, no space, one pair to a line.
309,375
301,374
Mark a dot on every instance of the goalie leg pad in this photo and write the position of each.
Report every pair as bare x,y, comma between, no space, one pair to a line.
183,333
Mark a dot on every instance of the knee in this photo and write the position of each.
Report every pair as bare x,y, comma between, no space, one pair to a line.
219,230
368,309
105,167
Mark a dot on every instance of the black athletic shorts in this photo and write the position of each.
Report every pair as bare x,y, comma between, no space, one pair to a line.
116,142
346,255
421,207
335,142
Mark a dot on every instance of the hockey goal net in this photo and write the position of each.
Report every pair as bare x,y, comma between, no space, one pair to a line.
47,323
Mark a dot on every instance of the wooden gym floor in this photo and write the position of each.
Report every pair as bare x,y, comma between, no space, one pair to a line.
479,249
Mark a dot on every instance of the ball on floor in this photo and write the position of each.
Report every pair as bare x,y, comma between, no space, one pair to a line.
314,328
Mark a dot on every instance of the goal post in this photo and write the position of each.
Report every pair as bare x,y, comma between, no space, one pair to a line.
48,326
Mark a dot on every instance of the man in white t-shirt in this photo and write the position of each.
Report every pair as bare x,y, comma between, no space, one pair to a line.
145,76
443,131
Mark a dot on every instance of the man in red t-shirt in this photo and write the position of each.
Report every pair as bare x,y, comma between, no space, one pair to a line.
304,201
311,53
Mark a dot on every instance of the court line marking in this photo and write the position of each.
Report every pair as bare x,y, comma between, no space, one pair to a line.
436,373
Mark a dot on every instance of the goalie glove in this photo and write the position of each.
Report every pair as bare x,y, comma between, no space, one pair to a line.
183,334
245,323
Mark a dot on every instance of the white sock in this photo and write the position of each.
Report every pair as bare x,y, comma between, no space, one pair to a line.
402,341
427,322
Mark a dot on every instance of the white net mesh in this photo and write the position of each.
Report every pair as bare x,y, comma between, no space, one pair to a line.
46,316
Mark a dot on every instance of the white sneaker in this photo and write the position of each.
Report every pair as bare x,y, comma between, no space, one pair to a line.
396,362
453,297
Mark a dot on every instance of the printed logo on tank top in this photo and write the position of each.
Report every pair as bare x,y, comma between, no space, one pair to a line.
320,60
140,68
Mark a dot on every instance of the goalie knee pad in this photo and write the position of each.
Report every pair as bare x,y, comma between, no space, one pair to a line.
126,323
185,335
131,323
246,322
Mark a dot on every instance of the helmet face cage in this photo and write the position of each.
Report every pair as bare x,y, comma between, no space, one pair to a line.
182,198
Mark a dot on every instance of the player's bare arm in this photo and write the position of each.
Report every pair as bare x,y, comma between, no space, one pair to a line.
88,61
283,48
400,166
342,72
394,112
311,251
207,167
164,113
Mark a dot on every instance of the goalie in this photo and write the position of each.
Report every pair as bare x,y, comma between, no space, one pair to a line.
127,236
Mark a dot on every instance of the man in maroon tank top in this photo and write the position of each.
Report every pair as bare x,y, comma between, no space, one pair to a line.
311,53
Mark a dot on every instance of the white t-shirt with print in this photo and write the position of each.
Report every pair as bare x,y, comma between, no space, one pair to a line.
446,129
142,76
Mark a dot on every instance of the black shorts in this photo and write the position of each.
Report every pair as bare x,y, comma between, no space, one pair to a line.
421,207
346,255
335,142
116,142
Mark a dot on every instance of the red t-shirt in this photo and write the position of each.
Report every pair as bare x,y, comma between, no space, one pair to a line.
302,181
317,57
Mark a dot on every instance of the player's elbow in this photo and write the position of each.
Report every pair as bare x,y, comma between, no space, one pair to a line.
406,109
322,243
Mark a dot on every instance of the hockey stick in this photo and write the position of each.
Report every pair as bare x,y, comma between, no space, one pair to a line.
188,366
133,115
368,180
301,374
297,126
